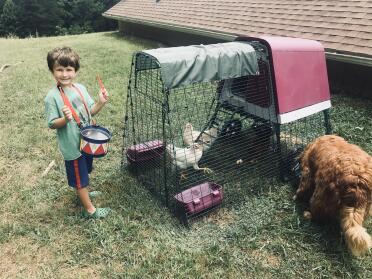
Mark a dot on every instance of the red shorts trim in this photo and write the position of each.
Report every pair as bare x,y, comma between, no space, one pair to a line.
78,171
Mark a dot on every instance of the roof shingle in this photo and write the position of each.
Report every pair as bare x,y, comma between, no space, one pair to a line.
342,25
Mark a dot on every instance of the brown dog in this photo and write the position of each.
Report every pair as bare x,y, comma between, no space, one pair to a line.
336,178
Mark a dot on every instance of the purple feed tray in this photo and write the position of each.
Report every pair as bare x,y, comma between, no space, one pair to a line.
146,151
200,197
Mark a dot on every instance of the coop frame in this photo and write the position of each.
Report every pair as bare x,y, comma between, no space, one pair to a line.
268,116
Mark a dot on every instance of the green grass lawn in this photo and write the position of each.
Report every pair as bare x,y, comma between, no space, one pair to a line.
42,234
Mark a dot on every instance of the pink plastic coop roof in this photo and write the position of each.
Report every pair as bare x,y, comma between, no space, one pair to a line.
300,74
292,44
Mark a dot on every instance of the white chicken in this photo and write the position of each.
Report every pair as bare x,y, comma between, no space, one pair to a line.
187,157
207,138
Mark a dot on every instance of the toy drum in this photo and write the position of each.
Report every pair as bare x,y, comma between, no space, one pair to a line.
94,140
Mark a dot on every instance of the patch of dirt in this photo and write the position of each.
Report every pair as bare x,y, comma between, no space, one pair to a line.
90,272
28,173
6,170
221,217
24,259
267,260
23,173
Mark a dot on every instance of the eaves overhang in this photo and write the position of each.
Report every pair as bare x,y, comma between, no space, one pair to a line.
332,54
349,58
175,27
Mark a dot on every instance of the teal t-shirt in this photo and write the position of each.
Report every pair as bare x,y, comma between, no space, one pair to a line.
68,137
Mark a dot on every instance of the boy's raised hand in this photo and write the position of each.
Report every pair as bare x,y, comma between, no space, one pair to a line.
67,113
103,96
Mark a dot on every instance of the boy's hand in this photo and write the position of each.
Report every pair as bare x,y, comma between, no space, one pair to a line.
103,96
67,113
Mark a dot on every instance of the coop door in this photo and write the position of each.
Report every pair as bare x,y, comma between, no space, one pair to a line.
251,95
254,88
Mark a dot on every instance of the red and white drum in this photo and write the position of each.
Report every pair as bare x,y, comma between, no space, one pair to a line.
95,140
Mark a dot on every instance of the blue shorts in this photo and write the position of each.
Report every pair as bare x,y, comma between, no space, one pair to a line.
78,171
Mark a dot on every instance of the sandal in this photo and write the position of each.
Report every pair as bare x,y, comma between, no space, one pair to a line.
100,212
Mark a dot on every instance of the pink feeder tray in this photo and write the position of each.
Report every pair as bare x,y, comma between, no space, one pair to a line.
200,197
145,152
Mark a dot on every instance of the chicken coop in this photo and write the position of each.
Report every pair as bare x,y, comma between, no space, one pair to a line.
205,123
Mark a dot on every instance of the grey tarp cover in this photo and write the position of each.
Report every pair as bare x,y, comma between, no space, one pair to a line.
181,66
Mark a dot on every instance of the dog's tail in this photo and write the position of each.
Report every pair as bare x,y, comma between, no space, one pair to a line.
357,239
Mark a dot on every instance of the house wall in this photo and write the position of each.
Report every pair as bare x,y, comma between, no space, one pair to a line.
165,36
350,79
344,78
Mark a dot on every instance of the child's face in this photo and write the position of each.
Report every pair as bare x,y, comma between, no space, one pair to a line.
64,75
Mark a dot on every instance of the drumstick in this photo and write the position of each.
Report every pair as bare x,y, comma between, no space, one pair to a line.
103,89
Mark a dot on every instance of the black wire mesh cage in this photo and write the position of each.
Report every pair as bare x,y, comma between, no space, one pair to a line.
203,123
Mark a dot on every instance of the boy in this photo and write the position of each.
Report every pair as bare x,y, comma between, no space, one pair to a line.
68,106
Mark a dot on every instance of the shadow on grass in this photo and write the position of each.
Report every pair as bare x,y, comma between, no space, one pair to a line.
130,38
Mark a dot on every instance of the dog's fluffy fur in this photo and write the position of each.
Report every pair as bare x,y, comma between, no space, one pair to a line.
336,179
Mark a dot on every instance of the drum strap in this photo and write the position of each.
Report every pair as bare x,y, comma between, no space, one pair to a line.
66,101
